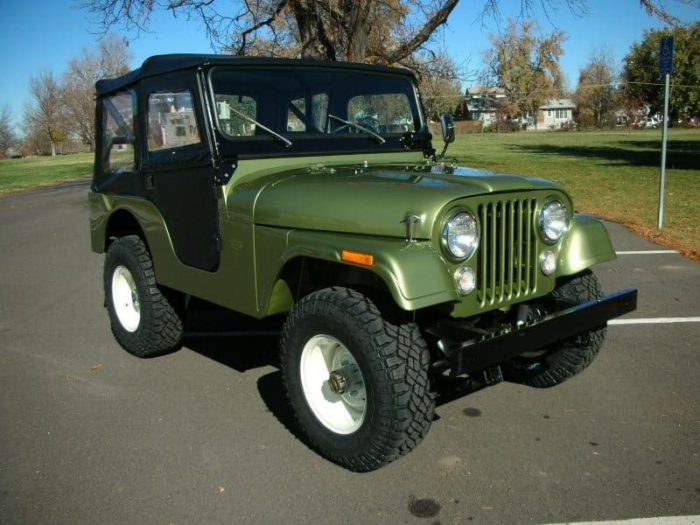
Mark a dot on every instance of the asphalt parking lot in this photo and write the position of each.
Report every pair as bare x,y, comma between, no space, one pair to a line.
90,434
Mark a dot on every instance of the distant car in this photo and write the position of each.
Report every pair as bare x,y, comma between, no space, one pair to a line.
649,123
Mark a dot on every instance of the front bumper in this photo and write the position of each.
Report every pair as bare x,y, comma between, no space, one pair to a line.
469,354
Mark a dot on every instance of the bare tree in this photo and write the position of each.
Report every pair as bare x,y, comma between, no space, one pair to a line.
439,78
7,135
657,9
112,59
595,95
383,31
386,31
45,112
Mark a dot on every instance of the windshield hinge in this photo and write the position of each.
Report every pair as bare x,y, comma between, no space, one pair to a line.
225,172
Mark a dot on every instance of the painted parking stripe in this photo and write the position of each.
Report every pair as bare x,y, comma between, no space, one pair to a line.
668,520
656,320
241,333
644,252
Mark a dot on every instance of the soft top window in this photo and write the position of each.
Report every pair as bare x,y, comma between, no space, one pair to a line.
118,132
171,120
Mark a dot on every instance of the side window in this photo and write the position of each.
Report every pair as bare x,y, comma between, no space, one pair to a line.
118,129
171,120
387,113
230,110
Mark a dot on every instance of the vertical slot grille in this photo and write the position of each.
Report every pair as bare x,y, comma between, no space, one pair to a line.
507,255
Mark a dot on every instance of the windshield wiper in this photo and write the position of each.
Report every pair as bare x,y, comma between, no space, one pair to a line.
279,137
371,133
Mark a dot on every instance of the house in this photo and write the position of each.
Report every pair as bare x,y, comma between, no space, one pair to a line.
555,113
484,104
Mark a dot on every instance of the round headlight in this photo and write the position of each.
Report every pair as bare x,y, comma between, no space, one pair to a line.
461,235
553,221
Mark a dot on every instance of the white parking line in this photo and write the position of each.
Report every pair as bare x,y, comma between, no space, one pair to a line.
241,333
656,320
668,520
645,252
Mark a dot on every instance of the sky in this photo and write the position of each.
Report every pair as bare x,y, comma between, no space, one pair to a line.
38,35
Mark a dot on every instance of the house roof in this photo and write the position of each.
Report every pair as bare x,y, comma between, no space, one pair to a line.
481,104
560,103
484,90
160,64
484,99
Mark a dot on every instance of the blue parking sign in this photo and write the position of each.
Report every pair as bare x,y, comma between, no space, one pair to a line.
666,56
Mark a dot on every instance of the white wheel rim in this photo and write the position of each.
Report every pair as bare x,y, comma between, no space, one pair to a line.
125,299
342,413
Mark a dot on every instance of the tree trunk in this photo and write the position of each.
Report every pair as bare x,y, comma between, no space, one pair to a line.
358,30
312,32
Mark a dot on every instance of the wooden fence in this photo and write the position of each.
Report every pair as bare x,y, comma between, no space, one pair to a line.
461,126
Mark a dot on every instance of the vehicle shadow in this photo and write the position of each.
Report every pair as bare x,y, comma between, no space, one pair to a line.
242,344
243,352
235,340
681,154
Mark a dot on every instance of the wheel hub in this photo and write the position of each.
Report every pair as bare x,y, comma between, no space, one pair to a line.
332,384
337,382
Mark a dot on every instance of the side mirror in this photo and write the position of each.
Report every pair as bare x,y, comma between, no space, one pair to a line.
447,123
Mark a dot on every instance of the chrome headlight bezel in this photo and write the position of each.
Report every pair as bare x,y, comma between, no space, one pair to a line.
450,239
552,228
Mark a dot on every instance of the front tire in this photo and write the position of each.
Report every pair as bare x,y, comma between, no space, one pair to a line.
552,366
143,320
358,385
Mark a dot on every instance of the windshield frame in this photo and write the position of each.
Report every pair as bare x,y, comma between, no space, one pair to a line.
265,145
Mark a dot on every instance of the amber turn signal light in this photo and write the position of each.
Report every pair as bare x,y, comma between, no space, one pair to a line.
363,259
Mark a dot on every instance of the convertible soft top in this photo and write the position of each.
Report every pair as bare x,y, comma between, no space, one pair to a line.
160,64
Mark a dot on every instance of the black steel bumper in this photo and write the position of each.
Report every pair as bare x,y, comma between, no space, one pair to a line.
490,350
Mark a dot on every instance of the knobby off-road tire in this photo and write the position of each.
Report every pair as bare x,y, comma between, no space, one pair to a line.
387,408
571,357
143,320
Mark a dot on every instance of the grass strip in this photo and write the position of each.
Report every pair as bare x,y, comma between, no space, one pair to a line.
34,172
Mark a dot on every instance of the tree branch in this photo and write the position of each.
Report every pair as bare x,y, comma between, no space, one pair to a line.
267,22
438,18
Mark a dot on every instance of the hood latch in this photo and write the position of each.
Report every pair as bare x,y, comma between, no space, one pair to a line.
410,220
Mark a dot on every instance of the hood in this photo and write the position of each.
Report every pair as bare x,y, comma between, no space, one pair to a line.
375,200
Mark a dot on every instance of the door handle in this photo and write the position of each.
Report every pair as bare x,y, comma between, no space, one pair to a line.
149,181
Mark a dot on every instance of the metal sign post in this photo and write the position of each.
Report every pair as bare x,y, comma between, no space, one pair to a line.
665,68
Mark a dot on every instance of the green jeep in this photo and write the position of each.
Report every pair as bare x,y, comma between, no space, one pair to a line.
312,190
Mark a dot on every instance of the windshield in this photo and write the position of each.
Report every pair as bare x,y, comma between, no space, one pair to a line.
313,104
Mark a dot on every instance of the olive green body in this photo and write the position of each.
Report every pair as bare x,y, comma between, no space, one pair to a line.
275,211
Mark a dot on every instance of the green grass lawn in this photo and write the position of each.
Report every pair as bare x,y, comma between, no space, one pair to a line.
610,174
22,174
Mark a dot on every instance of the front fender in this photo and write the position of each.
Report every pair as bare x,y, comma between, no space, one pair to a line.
586,243
414,274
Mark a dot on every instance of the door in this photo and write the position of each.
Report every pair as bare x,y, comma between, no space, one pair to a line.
177,167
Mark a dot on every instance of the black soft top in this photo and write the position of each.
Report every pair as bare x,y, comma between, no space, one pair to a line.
160,64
